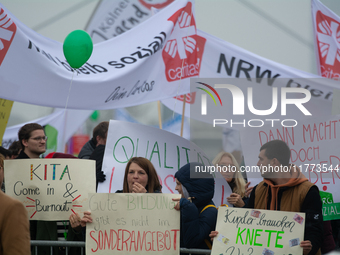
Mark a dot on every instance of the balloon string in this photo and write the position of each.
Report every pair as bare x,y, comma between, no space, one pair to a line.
65,113
69,91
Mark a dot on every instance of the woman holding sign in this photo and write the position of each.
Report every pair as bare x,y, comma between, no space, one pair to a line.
198,212
140,177
230,170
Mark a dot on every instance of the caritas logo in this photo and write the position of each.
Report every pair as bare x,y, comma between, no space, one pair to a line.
328,40
189,98
158,4
182,54
7,32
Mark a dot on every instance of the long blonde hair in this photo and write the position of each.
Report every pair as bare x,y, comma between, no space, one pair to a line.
238,178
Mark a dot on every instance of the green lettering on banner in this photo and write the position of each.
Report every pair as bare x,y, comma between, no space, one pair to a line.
278,237
256,235
165,166
239,234
269,235
331,211
156,150
250,237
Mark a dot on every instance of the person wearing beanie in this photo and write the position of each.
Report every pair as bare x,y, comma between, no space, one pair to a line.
198,212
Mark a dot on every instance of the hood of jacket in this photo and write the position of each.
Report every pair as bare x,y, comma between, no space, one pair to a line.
202,189
297,177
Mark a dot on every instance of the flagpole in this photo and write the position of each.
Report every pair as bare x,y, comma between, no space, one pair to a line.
159,114
183,111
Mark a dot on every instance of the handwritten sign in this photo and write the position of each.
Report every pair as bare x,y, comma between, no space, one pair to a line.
51,189
5,111
314,149
252,232
168,153
132,223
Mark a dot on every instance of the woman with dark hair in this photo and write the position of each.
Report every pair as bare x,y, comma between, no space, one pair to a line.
140,177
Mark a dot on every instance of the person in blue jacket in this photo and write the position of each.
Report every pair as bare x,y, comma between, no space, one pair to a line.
198,212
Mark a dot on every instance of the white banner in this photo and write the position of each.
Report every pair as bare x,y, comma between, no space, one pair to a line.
59,127
168,153
326,40
112,18
224,60
156,54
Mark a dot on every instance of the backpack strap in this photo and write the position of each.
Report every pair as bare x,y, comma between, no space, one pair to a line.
207,206
206,240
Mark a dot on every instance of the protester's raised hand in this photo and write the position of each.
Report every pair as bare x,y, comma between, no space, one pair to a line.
138,188
75,221
86,219
213,234
306,246
236,200
248,189
177,206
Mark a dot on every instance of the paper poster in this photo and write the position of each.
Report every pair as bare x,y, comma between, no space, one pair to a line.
131,223
252,231
51,189
314,149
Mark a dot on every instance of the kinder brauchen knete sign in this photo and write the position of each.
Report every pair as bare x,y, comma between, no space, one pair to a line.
252,231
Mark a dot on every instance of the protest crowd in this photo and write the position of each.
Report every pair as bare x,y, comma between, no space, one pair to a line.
136,189
279,191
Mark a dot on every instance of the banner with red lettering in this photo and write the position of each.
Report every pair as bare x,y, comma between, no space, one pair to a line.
314,149
326,40
133,223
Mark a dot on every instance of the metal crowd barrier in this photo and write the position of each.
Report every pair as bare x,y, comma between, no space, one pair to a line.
51,244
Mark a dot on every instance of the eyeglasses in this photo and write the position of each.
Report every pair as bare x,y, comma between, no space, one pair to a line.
39,138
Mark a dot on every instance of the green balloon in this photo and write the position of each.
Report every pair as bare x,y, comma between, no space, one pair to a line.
95,115
77,48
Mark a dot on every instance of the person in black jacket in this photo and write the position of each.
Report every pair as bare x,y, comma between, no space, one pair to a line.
198,212
95,148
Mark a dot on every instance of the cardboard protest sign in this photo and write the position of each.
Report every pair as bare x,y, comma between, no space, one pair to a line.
51,189
249,231
133,223
314,149
5,111
168,153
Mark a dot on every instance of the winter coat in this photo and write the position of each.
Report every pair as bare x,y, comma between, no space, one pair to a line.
196,223
87,150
